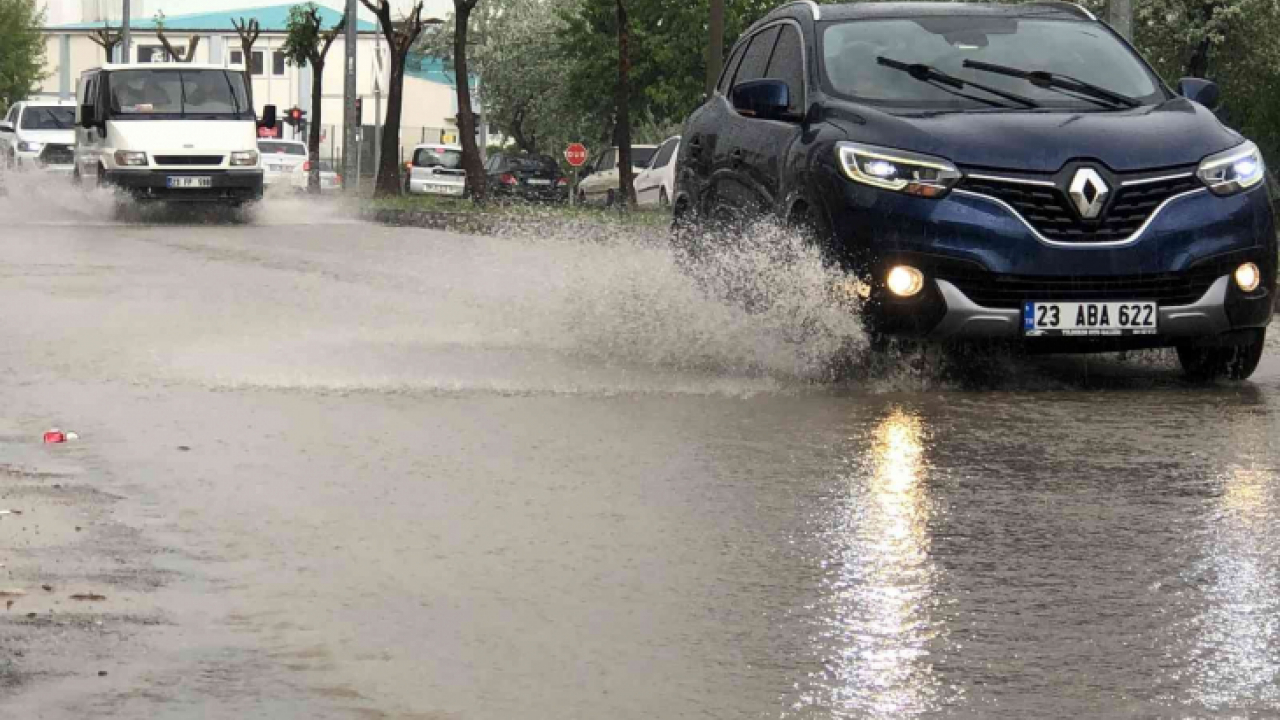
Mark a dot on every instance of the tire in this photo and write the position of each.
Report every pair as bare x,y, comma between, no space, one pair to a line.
1236,362
609,199
664,202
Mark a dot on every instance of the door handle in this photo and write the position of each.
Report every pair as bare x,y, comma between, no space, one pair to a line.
735,156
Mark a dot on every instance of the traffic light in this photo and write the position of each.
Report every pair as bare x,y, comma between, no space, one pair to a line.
295,116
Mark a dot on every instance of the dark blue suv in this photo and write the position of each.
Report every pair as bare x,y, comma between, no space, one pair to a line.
995,171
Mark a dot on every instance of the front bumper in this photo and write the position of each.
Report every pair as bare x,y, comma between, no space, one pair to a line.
226,185
532,193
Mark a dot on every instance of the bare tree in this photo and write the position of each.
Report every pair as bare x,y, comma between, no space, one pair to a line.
174,54
107,38
401,37
471,162
308,43
248,30
622,134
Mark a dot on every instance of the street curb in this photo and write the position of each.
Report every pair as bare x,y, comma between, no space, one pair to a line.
470,223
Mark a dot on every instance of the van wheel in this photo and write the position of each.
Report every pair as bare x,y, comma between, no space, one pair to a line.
1236,362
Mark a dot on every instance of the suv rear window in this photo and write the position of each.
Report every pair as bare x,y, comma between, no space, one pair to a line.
437,157
1084,51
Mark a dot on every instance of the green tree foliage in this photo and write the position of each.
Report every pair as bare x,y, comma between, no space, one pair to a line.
21,50
308,43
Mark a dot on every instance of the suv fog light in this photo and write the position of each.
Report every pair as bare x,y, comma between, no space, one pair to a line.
904,281
1248,277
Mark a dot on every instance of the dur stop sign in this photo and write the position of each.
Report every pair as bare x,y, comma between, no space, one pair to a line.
576,154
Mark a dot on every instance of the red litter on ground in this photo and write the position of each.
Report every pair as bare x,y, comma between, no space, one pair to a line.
55,436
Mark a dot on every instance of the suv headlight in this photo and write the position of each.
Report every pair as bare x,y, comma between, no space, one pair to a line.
898,170
29,147
130,158
244,158
1233,171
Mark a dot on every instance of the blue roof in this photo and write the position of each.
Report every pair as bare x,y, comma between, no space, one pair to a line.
272,19
427,67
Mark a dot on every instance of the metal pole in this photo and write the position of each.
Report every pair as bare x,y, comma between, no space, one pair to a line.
125,39
349,96
1120,17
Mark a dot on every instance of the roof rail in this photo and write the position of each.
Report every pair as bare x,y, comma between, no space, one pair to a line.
813,7
1074,8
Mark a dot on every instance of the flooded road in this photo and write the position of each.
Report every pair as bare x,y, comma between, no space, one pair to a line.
366,472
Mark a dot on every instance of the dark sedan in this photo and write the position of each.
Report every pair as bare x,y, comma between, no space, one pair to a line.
526,177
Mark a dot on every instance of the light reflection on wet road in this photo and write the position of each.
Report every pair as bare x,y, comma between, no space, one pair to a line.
444,476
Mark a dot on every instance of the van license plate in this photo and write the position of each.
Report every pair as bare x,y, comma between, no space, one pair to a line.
181,182
1089,319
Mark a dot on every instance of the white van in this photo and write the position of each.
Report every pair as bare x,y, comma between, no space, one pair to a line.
176,132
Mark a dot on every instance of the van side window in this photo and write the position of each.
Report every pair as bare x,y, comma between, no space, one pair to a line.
608,161
788,65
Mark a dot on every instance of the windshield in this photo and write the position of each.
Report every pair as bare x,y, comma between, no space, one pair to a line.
1084,51
212,94
438,157
282,148
48,118
640,156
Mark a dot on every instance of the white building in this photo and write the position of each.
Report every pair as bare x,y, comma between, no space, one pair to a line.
430,99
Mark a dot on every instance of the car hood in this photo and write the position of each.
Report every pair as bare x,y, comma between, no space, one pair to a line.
57,137
1177,132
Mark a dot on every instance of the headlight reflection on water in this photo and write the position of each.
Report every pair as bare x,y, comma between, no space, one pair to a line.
882,582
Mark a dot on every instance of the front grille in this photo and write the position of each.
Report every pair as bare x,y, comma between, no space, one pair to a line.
1011,291
188,159
57,155
1049,211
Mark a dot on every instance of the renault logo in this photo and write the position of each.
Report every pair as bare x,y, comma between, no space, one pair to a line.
1088,192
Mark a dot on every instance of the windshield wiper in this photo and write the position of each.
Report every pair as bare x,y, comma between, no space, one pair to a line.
933,76
1057,81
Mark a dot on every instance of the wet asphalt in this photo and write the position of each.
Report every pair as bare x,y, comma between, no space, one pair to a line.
334,470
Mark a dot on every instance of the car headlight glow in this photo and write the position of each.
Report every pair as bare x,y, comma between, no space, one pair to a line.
29,147
244,158
1233,171
897,170
130,158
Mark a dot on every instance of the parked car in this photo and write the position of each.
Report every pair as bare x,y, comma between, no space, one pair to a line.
436,170
280,158
994,171
600,184
655,185
522,176
39,135
330,180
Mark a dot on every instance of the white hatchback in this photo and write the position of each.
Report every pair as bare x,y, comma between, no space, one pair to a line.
656,183
39,135
280,158
436,170
601,183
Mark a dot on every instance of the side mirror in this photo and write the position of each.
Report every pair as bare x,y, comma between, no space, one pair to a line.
1203,91
763,99
6,127
88,116
268,117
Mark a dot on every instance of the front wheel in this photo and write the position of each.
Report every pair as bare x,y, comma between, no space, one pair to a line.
609,199
1235,362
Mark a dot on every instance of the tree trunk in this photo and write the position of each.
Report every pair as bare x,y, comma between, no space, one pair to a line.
389,162
626,183
715,45
247,49
1199,64
313,137
471,162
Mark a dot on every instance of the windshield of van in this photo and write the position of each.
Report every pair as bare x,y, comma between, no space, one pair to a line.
1083,51
200,94
438,157
48,118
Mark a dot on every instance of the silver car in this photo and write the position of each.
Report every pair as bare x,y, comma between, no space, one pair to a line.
280,158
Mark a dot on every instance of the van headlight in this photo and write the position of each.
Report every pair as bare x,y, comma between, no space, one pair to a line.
244,158
130,158
1233,171
898,170
29,147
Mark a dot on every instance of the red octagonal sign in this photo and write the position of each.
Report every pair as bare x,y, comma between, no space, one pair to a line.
576,154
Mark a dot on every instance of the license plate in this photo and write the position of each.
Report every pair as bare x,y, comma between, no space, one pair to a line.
1086,319
183,182
444,189
537,181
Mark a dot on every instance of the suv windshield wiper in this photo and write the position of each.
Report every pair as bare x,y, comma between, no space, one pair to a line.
951,83
1057,81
